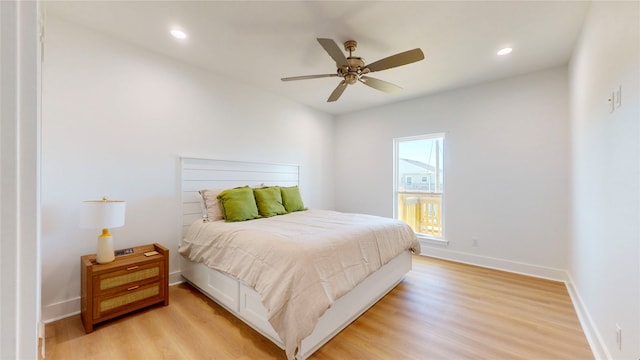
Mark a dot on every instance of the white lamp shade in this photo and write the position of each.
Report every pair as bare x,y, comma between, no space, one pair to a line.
102,214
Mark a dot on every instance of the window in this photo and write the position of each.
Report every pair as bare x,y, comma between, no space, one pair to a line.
419,203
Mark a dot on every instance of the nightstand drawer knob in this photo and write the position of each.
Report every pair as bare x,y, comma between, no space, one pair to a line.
132,267
133,288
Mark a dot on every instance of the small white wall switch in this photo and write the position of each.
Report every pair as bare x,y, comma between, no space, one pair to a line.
617,100
619,337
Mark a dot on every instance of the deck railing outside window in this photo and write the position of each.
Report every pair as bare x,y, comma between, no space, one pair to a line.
422,211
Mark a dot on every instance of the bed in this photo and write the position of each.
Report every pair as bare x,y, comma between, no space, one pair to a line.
292,294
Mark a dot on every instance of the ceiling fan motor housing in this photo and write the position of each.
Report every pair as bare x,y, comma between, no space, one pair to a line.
353,72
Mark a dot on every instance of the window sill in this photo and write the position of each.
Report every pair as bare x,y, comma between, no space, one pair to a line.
427,240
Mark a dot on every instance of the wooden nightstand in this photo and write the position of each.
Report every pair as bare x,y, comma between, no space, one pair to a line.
130,282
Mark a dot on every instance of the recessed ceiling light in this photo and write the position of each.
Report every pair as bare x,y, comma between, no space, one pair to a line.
505,51
178,34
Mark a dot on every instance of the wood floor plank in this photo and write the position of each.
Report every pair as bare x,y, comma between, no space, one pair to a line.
441,310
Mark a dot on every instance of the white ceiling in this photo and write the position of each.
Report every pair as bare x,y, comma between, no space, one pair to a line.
259,42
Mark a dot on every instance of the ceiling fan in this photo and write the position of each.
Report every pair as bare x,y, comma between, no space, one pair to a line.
353,69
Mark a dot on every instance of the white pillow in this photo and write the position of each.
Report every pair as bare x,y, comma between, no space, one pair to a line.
212,209
203,207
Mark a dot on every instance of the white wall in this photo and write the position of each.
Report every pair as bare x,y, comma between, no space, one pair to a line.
604,250
115,120
506,168
19,188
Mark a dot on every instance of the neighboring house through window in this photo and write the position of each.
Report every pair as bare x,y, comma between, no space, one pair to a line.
419,183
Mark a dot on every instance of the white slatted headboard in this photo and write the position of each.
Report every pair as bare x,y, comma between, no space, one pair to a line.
198,174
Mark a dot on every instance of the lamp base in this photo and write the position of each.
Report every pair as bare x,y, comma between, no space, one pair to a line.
105,250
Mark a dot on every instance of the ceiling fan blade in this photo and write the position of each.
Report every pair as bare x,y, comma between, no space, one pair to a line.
380,84
305,77
335,95
392,61
334,51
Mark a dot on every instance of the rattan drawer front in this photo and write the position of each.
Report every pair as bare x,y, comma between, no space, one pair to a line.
111,282
128,298
122,278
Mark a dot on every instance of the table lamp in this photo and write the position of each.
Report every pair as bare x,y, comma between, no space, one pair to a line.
103,214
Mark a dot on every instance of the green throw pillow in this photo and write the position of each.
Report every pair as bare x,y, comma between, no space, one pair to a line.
238,204
291,198
269,201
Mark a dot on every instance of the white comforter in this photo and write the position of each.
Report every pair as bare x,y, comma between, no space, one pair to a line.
300,263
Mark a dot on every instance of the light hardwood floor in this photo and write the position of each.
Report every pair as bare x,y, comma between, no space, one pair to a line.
441,310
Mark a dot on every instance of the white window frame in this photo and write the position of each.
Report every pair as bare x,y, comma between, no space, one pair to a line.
424,239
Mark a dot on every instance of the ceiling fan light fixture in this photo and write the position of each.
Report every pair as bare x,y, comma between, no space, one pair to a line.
504,51
351,78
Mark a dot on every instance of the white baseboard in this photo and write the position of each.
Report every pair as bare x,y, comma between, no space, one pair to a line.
598,347
175,278
60,310
67,308
496,263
